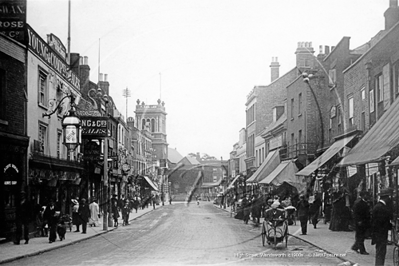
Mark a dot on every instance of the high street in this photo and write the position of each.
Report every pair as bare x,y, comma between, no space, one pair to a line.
181,234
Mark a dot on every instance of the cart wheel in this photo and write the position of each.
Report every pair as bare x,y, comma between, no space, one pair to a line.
286,240
396,256
263,234
275,238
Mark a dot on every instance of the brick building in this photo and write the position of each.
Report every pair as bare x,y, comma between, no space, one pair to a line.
13,135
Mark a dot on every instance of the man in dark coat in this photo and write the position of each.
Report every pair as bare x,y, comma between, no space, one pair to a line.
303,213
381,224
84,214
361,215
24,215
314,209
256,208
246,205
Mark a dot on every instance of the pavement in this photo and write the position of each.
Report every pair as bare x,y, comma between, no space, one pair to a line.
338,243
10,252
332,242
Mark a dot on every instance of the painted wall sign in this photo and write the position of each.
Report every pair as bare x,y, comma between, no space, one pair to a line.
38,46
57,45
94,126
13,19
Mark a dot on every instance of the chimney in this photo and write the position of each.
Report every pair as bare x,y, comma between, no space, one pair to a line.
391,14
84,71
103,83
304,55
274,69
327,49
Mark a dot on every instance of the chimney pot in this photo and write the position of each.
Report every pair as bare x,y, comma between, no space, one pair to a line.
327,49
85,60
81,60
105,77
100,77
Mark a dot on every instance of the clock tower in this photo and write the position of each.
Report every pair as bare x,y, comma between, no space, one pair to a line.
153,117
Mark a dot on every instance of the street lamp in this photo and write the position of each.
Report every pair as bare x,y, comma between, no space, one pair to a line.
71,128
71,125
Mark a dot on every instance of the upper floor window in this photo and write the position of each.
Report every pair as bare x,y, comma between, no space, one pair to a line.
332,77
372,102
350,109
43,88
292,108
299,103
251,114
42,136
379,87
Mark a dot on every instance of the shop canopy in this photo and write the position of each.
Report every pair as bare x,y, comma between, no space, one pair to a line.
325,156
285,172
395,162
233,182
271,162
379,140
149,181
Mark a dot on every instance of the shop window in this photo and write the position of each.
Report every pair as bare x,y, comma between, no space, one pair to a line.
351,110
42,136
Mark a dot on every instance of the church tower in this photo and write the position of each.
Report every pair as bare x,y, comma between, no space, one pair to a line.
153,117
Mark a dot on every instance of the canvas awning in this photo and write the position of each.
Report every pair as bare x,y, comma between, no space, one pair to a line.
285,172
325,156
395,162
271,162
149,181
379,140
233,182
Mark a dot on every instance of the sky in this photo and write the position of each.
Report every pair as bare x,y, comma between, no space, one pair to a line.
201,57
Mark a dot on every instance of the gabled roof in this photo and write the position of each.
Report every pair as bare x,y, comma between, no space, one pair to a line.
174,156
189,160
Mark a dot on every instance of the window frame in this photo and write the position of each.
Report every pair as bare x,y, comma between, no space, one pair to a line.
43,88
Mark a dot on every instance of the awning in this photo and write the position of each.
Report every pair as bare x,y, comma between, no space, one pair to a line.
285,172
271,162
232,182
379,140
325,157
395,162
149,181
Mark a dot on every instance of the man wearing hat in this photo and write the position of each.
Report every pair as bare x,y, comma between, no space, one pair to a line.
361,215
275,213
303,213
381,224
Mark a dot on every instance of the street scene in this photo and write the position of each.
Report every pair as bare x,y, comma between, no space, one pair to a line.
222,132
182,234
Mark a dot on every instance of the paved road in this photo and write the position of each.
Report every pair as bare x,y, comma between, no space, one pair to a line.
182,234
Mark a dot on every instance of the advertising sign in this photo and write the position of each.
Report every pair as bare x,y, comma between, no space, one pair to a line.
13,19
94,126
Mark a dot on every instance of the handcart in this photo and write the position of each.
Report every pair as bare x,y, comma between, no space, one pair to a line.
274,232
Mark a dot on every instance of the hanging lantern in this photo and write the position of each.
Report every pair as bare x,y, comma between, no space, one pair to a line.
71,130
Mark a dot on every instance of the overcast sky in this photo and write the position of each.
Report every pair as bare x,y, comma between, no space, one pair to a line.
202,58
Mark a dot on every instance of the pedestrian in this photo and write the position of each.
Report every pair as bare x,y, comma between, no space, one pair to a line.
153,200
275,214
246,204
314,209
303,213
381,224
51,215
136,203
257,205
75,214
170,199
41,224
94,213
125,213
115,213
361,215
84,214
23,218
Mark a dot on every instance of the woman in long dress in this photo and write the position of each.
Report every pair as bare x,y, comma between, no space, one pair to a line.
94,213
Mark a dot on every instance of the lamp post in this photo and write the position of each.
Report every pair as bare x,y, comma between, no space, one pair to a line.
306,78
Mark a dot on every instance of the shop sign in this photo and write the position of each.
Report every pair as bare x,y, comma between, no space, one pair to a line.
13,19
39,47
94,126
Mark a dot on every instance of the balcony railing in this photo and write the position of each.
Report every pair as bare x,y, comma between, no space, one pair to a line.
293,151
